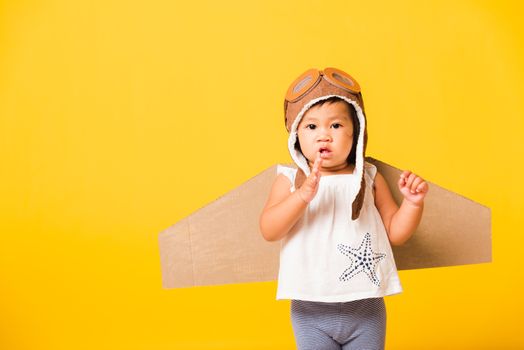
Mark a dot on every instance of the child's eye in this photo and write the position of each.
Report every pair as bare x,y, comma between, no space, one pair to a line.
311,126
337,125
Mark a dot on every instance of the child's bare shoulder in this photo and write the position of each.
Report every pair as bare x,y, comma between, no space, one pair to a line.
383,198
379,183
282,182
280,189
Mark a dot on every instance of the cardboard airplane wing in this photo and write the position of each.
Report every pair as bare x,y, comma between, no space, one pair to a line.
221,243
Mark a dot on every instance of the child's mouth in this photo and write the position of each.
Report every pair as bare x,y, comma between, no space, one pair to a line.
324,152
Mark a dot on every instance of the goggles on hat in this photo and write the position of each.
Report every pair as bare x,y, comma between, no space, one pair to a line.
309,79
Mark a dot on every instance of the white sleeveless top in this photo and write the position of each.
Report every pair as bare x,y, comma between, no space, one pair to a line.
330,258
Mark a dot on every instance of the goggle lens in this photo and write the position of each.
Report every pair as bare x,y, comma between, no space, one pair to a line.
342,79
302,84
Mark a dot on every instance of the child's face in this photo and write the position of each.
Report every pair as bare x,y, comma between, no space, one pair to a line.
329,127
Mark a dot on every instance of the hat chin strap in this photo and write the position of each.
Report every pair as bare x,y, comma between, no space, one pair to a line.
302,162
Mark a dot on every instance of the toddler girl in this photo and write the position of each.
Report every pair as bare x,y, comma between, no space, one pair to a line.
336,217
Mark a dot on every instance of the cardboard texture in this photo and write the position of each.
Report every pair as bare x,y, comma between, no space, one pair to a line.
221,243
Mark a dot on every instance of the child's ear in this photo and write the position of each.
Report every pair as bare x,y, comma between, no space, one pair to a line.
297,146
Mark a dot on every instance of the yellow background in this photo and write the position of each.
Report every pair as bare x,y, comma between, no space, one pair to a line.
120,118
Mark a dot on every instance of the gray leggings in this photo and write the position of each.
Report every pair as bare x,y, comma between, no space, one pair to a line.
353,325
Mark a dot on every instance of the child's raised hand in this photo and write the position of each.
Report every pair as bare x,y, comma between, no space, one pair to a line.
412,187
309,188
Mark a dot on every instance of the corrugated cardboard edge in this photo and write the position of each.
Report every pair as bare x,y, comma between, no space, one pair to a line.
221,243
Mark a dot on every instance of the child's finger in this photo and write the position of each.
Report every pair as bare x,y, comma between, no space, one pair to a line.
423,187
410,179
403,177
405,174
400,182
318,161
316,166
415,184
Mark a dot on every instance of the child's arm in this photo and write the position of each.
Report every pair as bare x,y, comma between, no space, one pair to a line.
400,223
283,208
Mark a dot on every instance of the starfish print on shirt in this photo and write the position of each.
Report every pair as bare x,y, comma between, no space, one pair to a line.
363,259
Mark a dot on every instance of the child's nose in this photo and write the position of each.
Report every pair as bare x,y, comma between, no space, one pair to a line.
323,136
